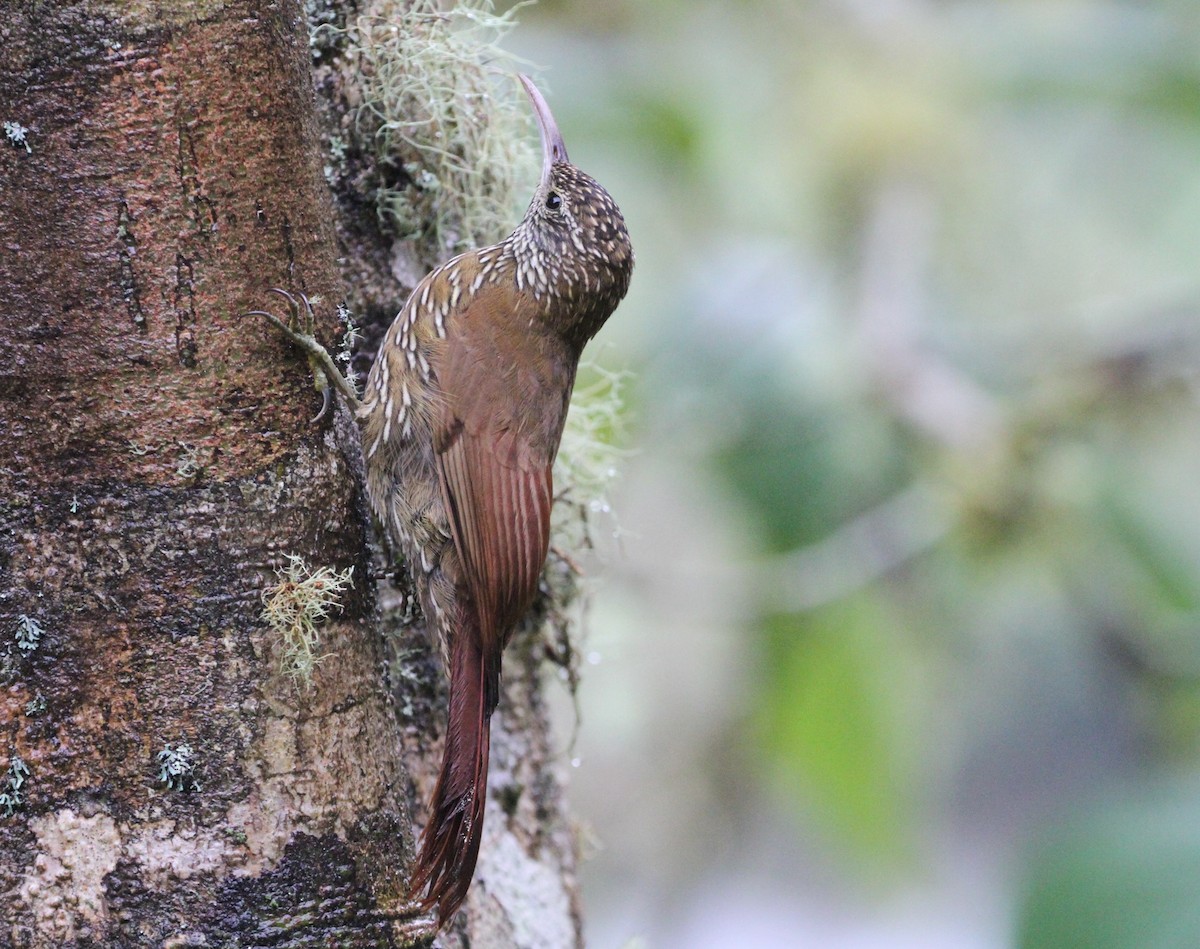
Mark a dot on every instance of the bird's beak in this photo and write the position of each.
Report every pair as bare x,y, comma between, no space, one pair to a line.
554,149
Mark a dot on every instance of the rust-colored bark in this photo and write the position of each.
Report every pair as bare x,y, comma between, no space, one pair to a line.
172,178
156,464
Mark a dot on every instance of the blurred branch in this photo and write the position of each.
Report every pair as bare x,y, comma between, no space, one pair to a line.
930,394
861,551
949,408
924,390
1144,352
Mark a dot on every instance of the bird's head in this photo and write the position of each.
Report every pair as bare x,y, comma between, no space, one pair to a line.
573,233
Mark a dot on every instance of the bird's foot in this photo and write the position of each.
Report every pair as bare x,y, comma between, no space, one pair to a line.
325,371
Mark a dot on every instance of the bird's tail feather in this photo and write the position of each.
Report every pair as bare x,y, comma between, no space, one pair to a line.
450,844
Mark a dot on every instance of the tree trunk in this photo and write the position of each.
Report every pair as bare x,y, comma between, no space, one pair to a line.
162,169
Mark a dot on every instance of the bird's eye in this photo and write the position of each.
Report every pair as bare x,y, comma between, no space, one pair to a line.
553,201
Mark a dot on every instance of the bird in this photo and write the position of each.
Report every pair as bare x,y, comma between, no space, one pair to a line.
461,420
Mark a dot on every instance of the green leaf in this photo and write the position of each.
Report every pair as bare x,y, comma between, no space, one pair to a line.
1163,564
832,724
1126,876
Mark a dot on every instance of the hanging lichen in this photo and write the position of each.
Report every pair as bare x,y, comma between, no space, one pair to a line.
442,119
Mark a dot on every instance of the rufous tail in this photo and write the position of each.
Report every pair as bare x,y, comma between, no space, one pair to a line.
450,844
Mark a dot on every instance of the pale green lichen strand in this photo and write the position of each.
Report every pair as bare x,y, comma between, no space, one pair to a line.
589,458
294,608
11,797
17,133
177,768
441,107
29,634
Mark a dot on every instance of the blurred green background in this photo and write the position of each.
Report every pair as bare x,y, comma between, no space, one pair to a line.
897,641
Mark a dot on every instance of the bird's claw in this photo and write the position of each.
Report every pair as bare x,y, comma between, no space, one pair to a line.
302,335
326,401
300,314
308,320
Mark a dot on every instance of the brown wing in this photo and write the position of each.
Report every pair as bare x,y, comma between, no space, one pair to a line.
505,385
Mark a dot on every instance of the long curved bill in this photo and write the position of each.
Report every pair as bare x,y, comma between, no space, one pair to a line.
553,147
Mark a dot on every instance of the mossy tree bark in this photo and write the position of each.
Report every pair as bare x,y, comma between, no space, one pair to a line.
157,464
